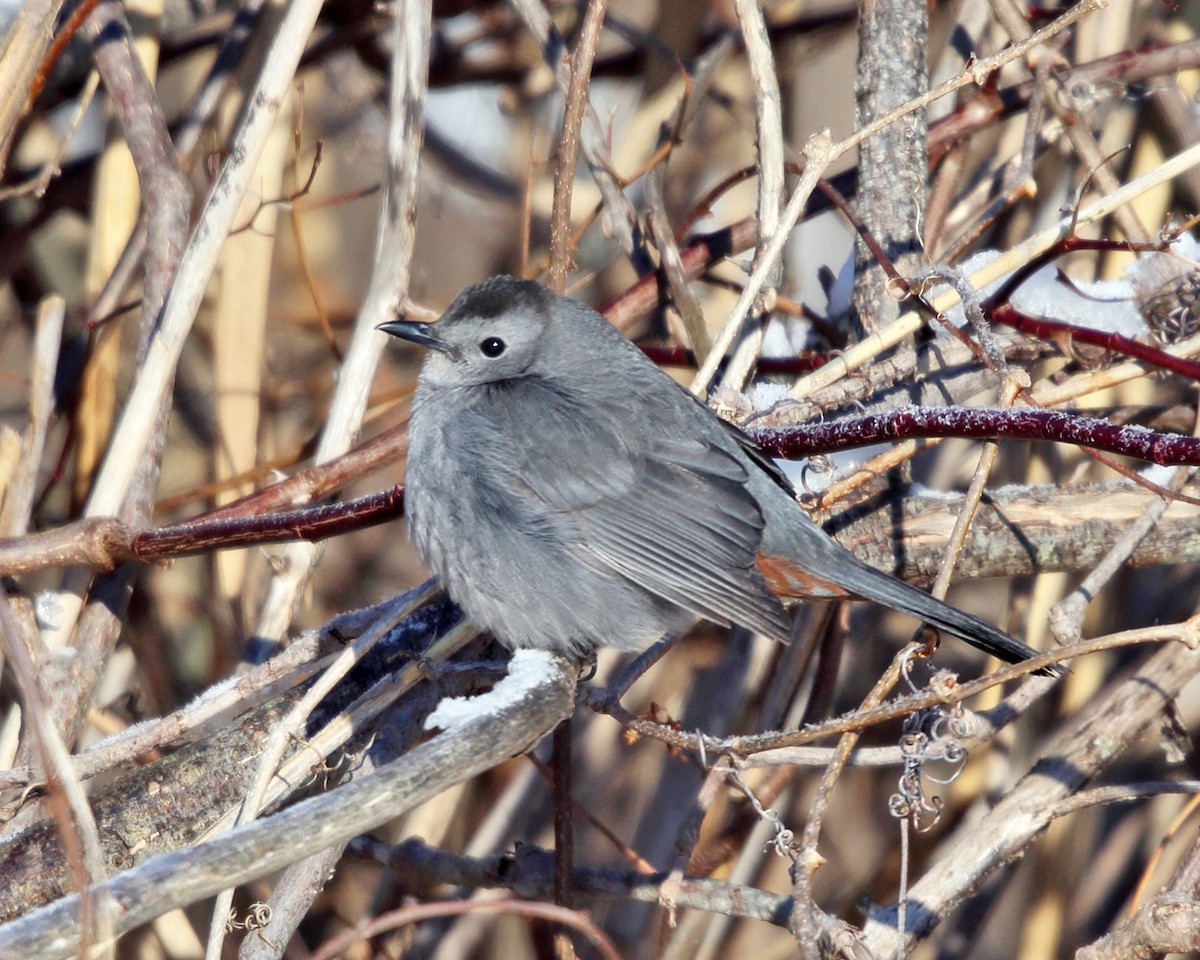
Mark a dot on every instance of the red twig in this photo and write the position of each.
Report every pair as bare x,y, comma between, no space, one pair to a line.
309,523
981,424
1057,330
676,356
57,46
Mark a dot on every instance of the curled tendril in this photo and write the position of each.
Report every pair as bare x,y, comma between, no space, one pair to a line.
818,464
783,841
259,916
906,666
928,735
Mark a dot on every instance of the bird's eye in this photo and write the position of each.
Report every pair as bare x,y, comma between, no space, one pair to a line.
492,346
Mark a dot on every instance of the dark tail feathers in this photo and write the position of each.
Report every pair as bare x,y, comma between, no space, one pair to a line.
871,584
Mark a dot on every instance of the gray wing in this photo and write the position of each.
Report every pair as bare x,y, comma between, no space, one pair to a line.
672,515
689,531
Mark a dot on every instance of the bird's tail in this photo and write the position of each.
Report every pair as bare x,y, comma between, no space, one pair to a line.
871,584
857,579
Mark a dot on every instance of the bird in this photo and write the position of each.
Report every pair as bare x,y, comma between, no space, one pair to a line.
570,495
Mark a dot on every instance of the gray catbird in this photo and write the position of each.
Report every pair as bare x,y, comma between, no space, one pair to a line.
570,495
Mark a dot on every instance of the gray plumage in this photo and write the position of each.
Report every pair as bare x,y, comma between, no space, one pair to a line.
570,495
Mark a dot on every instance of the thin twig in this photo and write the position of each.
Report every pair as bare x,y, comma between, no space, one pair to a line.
292,726
80,836
769,156
522,908
568,144
619,217
807,859
979,479
18,495
1066,616
390,274
818,154
695,331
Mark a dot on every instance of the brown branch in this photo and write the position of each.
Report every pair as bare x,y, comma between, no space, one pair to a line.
568,145
531,873
166,198
1036,529
640,300
103,542
1127,67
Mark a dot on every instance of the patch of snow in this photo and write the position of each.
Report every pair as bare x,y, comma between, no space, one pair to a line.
764,395
526,670
1105,305
1158,473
